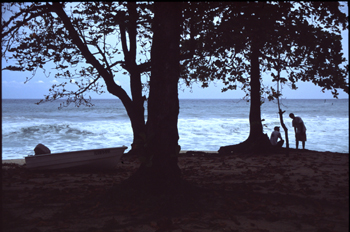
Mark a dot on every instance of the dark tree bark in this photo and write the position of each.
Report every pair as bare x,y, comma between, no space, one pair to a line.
256,129
159,169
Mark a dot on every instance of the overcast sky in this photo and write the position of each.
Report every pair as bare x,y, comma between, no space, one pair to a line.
13,86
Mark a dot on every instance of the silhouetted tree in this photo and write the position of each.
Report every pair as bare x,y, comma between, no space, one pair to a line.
248,37
84,45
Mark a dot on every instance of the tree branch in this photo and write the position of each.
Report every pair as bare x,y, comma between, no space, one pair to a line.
104,58
112,87
22,22
88,86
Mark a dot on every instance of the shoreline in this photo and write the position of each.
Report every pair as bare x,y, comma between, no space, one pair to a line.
20,161
15,161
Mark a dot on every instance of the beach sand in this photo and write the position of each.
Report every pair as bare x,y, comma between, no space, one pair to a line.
305,191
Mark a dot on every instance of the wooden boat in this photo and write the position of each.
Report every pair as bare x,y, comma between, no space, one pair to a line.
101,159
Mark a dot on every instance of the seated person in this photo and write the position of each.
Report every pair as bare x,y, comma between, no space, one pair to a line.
274,137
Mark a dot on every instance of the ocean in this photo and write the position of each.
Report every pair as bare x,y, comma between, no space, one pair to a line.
204,124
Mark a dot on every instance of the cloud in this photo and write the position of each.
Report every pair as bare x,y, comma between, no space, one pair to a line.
54,82
40,82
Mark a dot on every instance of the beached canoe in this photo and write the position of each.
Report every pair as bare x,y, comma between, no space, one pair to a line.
103,159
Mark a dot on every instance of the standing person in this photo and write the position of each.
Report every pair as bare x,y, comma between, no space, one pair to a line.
274,137
299,129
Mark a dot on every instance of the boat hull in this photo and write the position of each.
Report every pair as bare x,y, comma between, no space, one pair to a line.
102,159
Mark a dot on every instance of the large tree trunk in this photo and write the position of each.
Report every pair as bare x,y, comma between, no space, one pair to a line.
159,168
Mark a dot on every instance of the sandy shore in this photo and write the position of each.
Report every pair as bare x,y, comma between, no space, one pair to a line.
14,161
305,191
22,161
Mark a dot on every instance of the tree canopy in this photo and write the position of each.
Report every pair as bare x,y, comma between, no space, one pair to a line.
303,39
85,43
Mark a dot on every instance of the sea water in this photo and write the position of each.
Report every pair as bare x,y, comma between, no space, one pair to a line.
203,124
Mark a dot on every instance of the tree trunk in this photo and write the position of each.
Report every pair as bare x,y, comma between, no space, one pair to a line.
256,129
137,120
136,114
257,140
159,168
280,112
